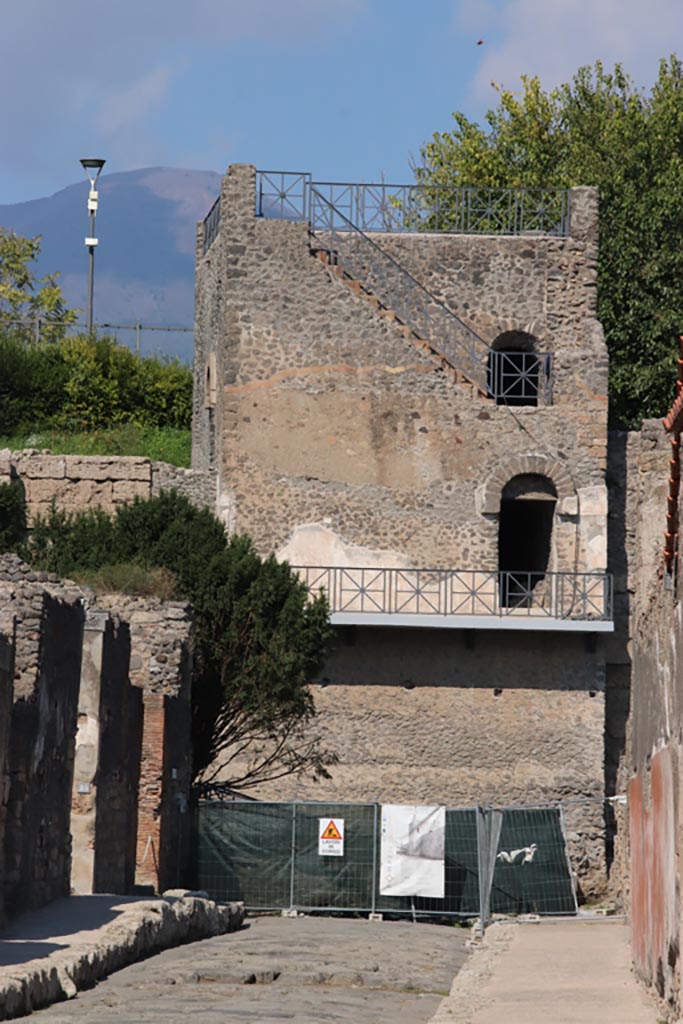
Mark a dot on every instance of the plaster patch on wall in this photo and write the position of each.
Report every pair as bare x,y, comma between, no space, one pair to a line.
317,544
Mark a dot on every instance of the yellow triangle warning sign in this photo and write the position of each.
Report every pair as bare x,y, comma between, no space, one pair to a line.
331,832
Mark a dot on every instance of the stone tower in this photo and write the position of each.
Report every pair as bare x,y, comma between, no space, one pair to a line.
405,395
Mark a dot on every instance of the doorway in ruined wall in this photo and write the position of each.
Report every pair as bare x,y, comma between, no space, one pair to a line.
525,533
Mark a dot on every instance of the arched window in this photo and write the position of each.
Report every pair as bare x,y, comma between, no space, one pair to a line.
514,369
525,528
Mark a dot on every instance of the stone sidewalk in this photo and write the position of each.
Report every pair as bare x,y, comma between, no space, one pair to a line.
559,971
54,952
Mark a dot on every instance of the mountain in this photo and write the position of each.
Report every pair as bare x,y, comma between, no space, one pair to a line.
144,263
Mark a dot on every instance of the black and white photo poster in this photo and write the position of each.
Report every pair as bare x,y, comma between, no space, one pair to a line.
412,852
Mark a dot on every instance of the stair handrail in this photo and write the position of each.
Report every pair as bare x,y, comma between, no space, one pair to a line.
456,337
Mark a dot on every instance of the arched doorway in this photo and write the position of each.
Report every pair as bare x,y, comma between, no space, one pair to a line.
514,369
525,527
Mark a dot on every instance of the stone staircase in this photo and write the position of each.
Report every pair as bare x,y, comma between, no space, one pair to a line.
375,276
329,259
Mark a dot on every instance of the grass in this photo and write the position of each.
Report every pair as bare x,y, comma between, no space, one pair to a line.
130,578
163,444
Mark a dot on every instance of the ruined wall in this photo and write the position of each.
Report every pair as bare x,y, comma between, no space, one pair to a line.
330,427
37,840
76,483
107,761
6,689
161,667
654,750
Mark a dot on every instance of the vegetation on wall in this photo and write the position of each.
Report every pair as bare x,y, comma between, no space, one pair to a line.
12,516
258,640
598,129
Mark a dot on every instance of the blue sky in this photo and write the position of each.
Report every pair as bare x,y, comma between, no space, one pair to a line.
346,89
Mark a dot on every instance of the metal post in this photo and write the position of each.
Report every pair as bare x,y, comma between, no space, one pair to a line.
37,328
373,900
137,339
293,857
91,270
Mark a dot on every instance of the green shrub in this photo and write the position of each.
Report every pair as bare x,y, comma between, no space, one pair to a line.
89,383
12,516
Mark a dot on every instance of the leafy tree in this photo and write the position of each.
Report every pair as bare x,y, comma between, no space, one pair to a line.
598,129
258,637
24,298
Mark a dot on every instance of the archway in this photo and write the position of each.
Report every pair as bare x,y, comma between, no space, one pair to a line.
525,527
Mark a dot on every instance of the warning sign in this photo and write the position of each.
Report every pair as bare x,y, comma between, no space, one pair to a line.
331,837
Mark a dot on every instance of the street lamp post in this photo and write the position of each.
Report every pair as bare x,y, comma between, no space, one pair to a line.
92,169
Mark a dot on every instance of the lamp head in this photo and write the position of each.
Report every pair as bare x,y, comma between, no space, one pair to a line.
92,167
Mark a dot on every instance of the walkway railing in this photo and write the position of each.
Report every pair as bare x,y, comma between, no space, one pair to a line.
464,592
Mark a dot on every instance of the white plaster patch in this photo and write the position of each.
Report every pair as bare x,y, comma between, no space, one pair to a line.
317,544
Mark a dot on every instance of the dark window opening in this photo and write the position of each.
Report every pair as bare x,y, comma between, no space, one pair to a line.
513,369
524,538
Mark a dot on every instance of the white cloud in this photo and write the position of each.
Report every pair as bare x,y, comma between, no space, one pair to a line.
124,107
552,38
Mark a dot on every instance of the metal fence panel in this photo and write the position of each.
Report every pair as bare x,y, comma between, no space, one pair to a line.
266,854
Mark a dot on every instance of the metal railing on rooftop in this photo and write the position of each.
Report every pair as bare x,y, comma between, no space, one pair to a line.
462,592
340,215
381,207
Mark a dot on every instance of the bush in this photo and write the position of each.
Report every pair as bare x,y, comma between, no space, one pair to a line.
87,383
12,516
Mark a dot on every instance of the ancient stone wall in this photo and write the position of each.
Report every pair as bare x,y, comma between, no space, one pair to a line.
76,483
463,719
161,666
37,841
120,670
6,689
654,743
107,762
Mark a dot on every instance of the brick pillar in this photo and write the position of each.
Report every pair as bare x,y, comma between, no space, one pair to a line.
151,791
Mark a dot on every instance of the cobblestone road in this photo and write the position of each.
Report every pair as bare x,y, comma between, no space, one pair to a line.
306,970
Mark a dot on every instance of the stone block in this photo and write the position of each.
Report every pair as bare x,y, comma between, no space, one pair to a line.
37,467
127,490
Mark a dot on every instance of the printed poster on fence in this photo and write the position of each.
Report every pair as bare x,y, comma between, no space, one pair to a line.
330,837
412,852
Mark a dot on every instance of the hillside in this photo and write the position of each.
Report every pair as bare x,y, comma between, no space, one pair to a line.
145,259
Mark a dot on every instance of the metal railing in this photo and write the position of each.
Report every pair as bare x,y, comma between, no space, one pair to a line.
340,214
519,378
397,289
38,329
436,209
212,223
470,592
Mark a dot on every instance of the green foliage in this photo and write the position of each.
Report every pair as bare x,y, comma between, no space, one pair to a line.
598,129
258,640
163,444
87,383
12,516
25,298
